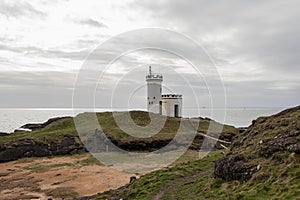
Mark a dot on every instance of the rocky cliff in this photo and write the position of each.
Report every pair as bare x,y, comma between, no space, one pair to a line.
269,142
28,147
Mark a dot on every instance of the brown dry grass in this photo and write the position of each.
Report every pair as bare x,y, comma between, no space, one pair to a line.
58,177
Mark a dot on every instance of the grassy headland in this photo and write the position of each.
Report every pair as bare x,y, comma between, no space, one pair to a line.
60,136
263,163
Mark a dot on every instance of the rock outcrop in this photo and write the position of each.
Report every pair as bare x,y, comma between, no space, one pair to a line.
27,147
268,139
234,167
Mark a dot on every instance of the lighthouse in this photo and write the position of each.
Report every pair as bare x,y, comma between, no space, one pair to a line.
154,81
163,104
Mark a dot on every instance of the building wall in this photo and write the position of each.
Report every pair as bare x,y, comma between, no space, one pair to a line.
168,106
154,94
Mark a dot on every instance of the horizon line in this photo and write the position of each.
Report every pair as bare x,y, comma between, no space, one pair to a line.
186,108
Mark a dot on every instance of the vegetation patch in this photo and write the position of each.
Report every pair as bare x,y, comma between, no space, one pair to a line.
38,168
267,152
62,192
91,160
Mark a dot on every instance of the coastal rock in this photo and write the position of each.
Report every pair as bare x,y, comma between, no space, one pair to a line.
234,167
27,147
289,142
268,138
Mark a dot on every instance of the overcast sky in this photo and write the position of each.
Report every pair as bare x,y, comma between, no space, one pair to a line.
255,46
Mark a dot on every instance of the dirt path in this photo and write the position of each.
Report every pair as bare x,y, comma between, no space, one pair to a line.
175,185
58,177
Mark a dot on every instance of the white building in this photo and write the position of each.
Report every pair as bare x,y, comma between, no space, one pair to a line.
172,105
166,104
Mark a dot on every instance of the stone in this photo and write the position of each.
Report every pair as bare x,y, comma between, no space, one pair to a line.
132,179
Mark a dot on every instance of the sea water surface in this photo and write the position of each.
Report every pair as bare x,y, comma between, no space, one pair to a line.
11,119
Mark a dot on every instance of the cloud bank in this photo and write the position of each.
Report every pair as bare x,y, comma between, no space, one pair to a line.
254,44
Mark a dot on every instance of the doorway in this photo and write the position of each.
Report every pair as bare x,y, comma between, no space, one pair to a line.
176,110
160,107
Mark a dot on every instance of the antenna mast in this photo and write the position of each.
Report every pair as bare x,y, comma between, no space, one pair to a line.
150,70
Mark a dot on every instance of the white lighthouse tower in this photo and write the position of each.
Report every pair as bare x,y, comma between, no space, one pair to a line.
166,104
154,90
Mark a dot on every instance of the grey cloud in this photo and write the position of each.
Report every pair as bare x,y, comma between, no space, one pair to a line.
265,34
90,43
37,51
19,8
256,93
36,89
8,48
92,22
264,31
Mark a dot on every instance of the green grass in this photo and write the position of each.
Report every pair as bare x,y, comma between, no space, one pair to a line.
168,131
26,160
278,177
57,130
62,192
189,178
147,186
84,159
188,156
89,161
52,132
40,168
194,180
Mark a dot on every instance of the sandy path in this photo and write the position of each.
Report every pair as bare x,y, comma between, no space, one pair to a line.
72,176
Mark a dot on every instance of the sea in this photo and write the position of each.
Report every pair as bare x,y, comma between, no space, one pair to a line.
11,119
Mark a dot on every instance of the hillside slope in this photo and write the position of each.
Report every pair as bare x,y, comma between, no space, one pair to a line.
266,156
263,163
